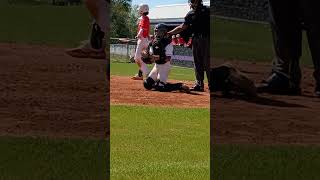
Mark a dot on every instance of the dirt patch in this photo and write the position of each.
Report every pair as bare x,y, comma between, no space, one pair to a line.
44,92
124,90
269,119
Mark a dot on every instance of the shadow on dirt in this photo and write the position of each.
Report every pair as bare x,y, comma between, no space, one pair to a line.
259,100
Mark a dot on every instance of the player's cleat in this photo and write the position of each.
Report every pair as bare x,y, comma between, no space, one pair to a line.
185,88
278,84
198,88
138,76
86,51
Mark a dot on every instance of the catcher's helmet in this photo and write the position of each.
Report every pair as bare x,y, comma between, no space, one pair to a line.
160,30
143,8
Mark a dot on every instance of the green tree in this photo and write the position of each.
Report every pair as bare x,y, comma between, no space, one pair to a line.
123,19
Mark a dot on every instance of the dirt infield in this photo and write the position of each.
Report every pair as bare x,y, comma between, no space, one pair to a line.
44,92
131,92
269,119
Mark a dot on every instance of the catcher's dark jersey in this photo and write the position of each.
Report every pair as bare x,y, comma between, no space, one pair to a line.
159,48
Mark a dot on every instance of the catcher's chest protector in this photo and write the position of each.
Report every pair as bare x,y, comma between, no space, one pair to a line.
158,47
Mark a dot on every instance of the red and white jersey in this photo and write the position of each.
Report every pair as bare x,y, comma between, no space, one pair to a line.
144,24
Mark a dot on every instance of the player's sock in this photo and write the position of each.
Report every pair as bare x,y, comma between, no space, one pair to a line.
144,69
140,74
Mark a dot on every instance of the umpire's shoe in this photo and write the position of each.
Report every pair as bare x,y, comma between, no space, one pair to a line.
198,87
278,84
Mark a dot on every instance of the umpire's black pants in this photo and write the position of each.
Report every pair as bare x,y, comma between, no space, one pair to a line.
201,57
287,17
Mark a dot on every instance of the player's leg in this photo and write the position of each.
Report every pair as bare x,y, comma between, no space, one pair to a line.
287,35
163,85
94,47
312,25
206,57
143,69
151,80
137,58
198,65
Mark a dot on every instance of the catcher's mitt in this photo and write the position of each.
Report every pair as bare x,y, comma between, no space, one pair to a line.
227,78
146,57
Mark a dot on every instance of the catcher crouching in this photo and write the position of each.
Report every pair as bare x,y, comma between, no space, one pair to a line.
159,51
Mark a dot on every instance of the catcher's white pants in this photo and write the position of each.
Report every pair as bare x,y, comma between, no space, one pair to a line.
160,72
141,45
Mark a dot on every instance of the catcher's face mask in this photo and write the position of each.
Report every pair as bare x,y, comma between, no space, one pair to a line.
160,31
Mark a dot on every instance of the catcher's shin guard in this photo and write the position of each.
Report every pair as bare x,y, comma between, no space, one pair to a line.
148,83
97,36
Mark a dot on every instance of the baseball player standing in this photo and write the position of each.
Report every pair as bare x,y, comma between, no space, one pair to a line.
160,50
288,19
198,20
143,40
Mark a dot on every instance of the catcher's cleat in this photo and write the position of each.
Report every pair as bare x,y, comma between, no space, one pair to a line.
86,51
197,87
185,89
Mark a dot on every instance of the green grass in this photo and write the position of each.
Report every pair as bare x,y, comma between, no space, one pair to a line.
246,41
240,162
159,143
129,69
44,24
46,159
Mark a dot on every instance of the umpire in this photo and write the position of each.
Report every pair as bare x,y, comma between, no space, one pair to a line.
198,22
288,19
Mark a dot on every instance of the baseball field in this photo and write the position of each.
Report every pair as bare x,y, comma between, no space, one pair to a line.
272,136
53,107
156,135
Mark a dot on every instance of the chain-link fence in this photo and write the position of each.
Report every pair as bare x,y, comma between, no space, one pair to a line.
124,53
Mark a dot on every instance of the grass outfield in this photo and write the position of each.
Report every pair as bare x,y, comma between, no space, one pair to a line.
231,162
246,41
129,69
50,25
44,159
159,143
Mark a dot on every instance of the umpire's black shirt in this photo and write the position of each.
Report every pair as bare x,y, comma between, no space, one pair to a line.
199,21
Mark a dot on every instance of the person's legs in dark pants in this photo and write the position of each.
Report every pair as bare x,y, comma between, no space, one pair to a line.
312,24
201,55
287,35
198,65
206,56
